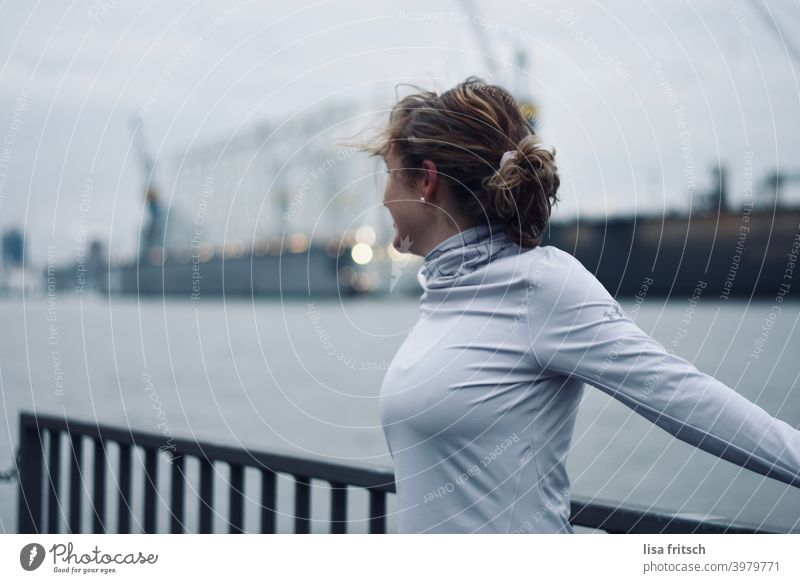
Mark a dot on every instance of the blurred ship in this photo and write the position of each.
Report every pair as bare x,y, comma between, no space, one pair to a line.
714,249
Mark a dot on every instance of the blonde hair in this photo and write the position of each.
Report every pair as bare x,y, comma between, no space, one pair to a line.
465,132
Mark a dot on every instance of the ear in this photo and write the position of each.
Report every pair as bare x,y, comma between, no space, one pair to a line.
430,179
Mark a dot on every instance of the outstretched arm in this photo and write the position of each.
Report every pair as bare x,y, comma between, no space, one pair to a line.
578,329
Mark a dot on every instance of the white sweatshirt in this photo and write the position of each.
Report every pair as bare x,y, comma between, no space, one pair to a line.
478,406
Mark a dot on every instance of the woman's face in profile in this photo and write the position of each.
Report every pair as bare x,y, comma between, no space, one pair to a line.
404,204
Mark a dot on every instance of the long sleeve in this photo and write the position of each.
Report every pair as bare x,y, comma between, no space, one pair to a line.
578,329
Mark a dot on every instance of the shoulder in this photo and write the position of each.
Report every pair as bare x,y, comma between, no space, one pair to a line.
559,277
551,265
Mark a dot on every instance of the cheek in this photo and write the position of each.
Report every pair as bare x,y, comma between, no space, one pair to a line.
393,196
401,204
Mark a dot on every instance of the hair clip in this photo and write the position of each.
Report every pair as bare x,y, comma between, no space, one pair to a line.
510,155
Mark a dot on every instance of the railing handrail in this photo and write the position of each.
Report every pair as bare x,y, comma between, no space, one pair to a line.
587,512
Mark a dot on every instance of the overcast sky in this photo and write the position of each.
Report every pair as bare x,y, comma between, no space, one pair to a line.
639,97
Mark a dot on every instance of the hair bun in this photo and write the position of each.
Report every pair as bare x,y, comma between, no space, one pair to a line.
523,190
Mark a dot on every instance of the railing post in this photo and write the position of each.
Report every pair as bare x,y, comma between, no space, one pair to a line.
54,479
99,495
338,508
124,503
236,505
302,504
150,486
76,484
176,500
29,516
268,501
377,511
206,495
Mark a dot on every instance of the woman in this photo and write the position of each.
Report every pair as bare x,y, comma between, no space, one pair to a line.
479,405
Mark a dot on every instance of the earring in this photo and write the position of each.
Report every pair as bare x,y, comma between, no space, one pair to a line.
422,198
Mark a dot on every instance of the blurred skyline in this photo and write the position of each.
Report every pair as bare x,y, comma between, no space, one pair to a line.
640,98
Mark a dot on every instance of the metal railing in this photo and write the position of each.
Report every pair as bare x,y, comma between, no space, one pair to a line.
40,486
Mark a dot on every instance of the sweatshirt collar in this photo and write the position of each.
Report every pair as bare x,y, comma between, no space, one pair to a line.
463,253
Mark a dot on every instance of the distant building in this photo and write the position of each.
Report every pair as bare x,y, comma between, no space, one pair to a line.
15,275
13,248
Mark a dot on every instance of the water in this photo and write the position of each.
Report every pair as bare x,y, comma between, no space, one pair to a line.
304,378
